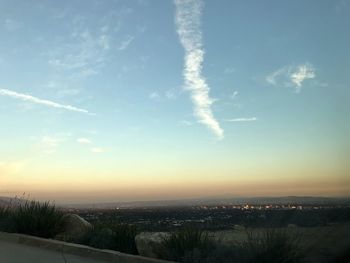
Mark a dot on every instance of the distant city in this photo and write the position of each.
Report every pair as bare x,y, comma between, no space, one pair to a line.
299,212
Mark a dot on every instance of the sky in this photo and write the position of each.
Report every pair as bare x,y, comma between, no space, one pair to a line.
146,100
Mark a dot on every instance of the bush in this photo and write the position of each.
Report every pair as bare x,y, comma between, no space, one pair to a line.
189,244
274,246
192,245
125,238
38,219
4,213
5,220
119,237
224,253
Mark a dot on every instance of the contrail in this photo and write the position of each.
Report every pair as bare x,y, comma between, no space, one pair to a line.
187,18
243,119
26,97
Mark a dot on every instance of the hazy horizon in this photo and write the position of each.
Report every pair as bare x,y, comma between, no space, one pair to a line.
155,100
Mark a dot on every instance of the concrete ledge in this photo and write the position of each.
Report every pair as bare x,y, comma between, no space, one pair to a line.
76,249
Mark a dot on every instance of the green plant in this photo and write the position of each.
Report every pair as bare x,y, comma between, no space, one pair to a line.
193,245
5,220
125,238
274,246
224,253
115,236
189,244
4,212
38,219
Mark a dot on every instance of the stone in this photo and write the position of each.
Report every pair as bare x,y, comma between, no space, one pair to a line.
75,228
147,242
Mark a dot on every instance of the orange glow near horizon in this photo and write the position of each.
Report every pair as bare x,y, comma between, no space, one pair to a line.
78,187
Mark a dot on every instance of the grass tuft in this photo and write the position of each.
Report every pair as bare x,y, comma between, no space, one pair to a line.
189,244
274,246
38,219
5,219
192,245
114,236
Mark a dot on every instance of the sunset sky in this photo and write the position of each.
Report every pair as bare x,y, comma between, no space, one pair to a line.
143,100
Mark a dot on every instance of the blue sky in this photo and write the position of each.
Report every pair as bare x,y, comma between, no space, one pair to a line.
178,92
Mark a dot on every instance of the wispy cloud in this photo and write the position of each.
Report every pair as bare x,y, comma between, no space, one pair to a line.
170,94
154,95
292,76
185,123
302,73
188,14
82,52
125,43
229,70
50,143
11,25
234,94
93,148
83,141
32,99
97,150
242,119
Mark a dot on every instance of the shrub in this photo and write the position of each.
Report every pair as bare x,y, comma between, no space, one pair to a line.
274,246
99,237
224,253
189,244
5,220
4,212
120,237
38,219
192,245
125,238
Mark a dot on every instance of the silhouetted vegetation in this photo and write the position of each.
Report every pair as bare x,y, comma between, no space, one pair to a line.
274,245
192,245
268,241
189,244
120,237
5,220
343,257
32,218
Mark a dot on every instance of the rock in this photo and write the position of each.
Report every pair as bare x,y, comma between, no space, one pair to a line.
75,228
147,242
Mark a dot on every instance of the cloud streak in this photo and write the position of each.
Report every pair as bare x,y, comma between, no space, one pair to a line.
187,19
125,44
154,96
234,94
292,76
83,141
243,119
97,150
48,103
49,144
302,73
